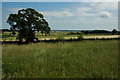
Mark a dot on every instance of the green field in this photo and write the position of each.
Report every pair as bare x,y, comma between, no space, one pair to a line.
53,34
85,59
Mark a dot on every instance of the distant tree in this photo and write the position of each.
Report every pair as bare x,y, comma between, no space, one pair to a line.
118,32
114,31
86,32
26,22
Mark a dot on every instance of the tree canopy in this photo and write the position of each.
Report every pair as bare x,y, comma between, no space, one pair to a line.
26,22
114,31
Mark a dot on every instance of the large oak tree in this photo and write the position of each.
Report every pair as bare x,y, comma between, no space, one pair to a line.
26,22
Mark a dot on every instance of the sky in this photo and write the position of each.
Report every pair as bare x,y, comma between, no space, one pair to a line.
60,0
69,15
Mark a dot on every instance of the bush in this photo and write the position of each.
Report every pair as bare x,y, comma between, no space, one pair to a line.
80,37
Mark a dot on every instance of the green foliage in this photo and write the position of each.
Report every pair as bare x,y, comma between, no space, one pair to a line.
26,22
86,59
80,37
114,31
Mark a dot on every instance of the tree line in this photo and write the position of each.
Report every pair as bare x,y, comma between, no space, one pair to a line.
113,32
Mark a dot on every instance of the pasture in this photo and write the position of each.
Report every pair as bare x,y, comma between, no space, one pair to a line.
83,59
7,36
60,40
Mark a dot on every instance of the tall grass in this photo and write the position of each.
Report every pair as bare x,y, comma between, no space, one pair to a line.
86,59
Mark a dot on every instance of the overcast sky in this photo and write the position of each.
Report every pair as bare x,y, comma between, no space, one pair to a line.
70,15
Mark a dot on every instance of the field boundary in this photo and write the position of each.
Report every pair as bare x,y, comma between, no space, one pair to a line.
71,39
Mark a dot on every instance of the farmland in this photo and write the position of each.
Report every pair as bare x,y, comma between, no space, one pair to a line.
6,36
78,59
83,59
42,40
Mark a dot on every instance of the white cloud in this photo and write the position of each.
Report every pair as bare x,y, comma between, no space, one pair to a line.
104,14
84,9
104,5
58,13
49,19
84,12
102,0
81,12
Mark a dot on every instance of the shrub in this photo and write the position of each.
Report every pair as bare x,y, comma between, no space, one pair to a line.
80,37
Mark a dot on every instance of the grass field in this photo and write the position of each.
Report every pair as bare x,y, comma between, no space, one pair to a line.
85,59
54,34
